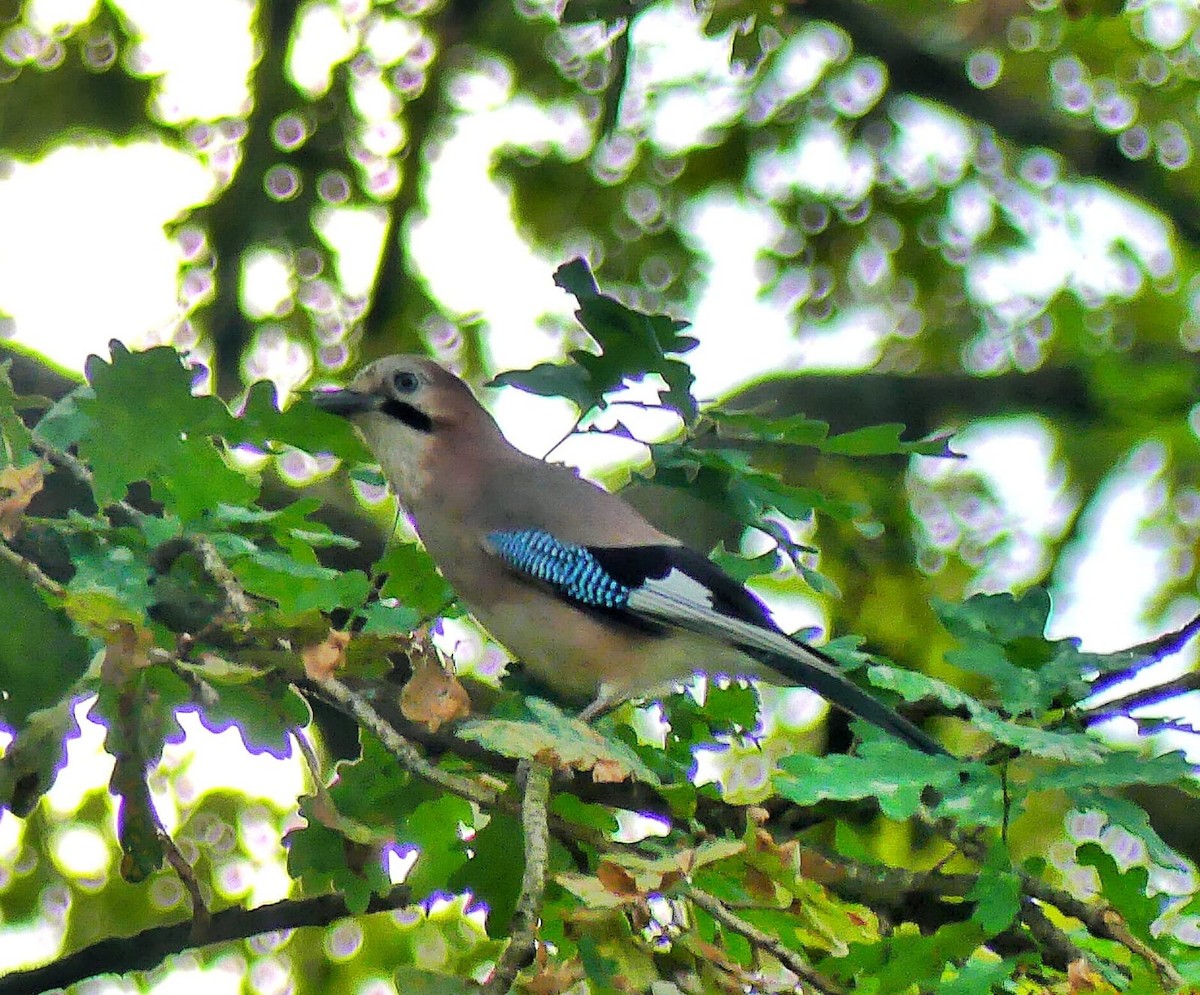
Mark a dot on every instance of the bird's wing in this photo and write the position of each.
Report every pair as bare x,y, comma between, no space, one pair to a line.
676,587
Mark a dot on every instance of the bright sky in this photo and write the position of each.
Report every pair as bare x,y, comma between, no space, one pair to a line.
84,258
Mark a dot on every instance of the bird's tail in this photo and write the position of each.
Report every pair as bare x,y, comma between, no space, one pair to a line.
802,664
796,662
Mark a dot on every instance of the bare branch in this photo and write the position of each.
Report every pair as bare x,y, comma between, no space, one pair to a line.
1142,656
201,914
764,941
1101,920
147,949
522,942
1057,948
236,599
31,570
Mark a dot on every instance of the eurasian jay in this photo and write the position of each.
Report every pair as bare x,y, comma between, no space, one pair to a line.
595,601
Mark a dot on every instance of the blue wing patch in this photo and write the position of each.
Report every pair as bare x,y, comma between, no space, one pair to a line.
570,569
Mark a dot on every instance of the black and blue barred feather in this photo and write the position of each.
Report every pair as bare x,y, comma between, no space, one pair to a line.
570,569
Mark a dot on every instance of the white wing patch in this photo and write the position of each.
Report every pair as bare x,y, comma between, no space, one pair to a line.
682,601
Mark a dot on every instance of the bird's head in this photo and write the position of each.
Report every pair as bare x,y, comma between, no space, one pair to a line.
407,408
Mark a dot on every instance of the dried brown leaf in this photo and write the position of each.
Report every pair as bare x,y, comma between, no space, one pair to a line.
433,696
616,880
322,660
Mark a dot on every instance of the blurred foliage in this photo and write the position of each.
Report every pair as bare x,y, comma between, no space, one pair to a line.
1001,194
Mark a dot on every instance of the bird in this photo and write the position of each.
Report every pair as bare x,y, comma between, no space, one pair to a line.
597,603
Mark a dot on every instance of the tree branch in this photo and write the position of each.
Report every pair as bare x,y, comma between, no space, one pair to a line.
1102,921
33,573
764,941
404,751
147,949
522,942
1143,655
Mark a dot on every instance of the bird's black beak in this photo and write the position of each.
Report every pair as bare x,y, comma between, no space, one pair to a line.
344,402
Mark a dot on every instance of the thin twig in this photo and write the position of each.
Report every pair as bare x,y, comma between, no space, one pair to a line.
31,570
312,761
1145,654
568,833
404,751
1156,695
522,942
1057,948
765,941
201,914
1101,920
570,432
235,595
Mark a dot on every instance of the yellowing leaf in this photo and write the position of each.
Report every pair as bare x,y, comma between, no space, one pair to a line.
561,741
18,485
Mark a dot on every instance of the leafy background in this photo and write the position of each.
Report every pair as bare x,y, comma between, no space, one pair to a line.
978,216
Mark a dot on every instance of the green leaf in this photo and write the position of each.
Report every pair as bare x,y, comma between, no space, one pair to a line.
1116,768
884,440
304,426
111,562
742,568
979,975
906,960
325,860
30,763
41,656
144,424
298,587
1001,618
494,871
374,789
289,526
65,423
895,776
550,380
571,809
632,345
798,430
1019,690
368,474
568,741
264,713
725,479
792,430
1125,891
1079,748
433,828
996,893
412,579
16,440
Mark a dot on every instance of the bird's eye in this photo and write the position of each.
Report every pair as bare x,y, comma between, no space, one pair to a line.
405,382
